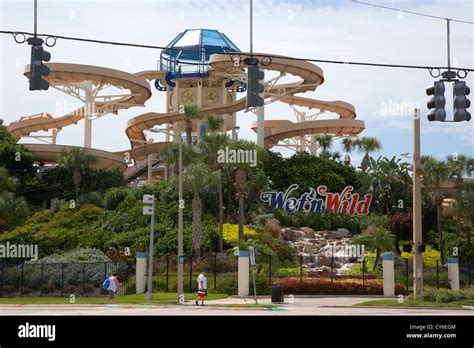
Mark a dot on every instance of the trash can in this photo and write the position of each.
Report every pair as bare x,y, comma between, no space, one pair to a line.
277,293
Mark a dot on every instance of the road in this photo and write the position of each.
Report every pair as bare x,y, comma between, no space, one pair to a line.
301,306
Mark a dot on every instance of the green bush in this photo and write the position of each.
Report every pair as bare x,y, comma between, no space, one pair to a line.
114,196
318,221
446,296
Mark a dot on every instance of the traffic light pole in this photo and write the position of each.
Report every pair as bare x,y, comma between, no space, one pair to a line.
448,42
36,17
260,125
417,227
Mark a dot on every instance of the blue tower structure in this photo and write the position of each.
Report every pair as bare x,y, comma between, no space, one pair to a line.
187,55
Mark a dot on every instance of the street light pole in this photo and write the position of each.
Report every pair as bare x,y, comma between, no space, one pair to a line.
150,210
180,225
417,232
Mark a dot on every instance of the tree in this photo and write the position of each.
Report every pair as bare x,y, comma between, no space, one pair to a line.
325,142
214,123
349,145
376,238
77,160
198,178
390,182
170,155
191,112
13,210
464,208
241,175
19,163
308,171
367,145
459,166
209,146
434,173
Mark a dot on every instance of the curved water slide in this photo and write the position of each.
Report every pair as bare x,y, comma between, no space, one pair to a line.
344,125
66,75
312,76
221,66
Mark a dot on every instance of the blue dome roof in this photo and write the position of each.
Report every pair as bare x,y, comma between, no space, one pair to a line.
189,52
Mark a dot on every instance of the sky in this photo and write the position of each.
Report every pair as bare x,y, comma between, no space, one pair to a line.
335,30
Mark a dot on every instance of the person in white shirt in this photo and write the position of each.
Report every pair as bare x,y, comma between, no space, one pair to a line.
114,283
202,288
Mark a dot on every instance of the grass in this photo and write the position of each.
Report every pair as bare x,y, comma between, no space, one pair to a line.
159,298
411,303
243,305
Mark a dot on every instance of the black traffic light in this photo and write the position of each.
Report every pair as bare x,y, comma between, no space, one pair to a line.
254,86
460,101
37,68
437,102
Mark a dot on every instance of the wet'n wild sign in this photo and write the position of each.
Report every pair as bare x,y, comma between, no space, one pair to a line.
319,200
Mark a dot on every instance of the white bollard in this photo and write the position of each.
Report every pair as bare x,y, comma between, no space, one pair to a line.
140,273
453,273
244,273
388,274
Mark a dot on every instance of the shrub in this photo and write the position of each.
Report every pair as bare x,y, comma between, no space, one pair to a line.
231,231
314,286
401,224
446,296
272,227
114,197
318,221
94,198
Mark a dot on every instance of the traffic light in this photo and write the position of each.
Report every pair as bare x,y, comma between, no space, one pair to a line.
254,86
37,68
437,102
460,102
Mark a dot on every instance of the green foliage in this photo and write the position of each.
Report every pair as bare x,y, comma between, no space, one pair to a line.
13,211
446,296
15,158
318,221
76,255
307,171
114,197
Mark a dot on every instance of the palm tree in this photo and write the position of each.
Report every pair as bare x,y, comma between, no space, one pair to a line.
465,209
367,145
198,178
434,173
376,238
170,155
348,145
191,112
324,142
459,166
77,160
209,146
241,176
214,123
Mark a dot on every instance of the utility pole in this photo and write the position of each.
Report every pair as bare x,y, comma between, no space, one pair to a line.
417,232
180,224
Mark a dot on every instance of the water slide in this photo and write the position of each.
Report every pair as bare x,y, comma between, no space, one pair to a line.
70,77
